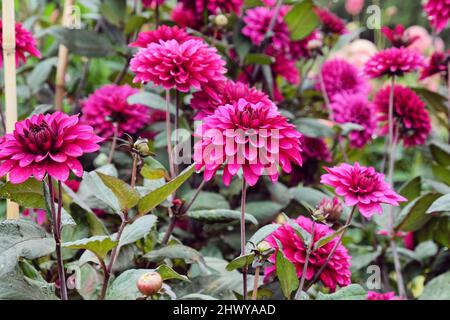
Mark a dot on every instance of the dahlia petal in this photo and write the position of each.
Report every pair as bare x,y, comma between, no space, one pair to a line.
59,171
19,174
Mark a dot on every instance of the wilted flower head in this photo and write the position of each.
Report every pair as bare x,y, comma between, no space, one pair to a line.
331,23
25,43
412,121
221,93
355,108
354,7
398,37
163,33
438,64
372,295
178,65
336,273
254,137
438,12
108,107
361,186
257,21
339,76
44,144
393,62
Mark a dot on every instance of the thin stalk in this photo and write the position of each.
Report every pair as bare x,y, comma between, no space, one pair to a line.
169,136
177,125
157,14
2,119
330,255
243,240
305,266
134,171
194,197
255,284
123,72
114,142
56,217
172,223
105,279
448,85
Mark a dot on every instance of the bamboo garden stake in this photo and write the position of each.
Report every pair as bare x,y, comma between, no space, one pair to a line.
63,57
9,63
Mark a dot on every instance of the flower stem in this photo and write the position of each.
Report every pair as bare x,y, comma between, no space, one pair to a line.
336,245
255,284
305,266
448,84
169,136
243,240
114,142
172,223
56,217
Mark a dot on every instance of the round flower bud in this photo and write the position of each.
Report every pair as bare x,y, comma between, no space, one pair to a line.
330,209
141,145
150,283
263,246
220,20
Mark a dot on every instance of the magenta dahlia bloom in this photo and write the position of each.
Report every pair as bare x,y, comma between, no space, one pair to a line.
107,107
44,144
438,12
398,36
355,108
163,33
336,273
393,62
331,23
257,21
152,3
302,48
254,137
372,295
25,44
218,94
214,6
339,76
361,186
186,17
284,66
438,64
178,65
412,121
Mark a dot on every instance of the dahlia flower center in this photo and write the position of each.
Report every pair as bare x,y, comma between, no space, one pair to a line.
363,183
40,137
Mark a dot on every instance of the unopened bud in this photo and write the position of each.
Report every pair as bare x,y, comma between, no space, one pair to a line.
220,20
141,145
264,246
330,209
150,283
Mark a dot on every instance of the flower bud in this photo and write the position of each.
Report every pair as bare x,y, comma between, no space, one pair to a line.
330,209
263,246
220,20
150,283
141,146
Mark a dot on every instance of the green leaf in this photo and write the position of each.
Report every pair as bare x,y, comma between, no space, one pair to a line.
206,201
98,189
263,211
442,204
66,218
351,292
124,287
286,274
153,173
327,239
258,58
261,235
83,42
127,196
411,189
197,296
176,251
314,128
241,262
168,273
302,20
137,230
28,194
40,73
150,100
413,216
301,233
114,11
435,100
157,196
438,288
100,245
440,152
219,215
22,239
134,24
441,173
242,44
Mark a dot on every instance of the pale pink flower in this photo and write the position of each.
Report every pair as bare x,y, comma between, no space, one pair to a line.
354,7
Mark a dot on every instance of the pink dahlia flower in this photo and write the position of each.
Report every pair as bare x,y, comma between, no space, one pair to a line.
336,273
393,62
331,23
163,33
218,94
304,48
214,6
361,186
339,76
107,107
355,108
284,67
185,17
152,3
438,64
44,144
372,295
398,37
412,121
354,7
25,43
178,65
254,137
438,12
257,21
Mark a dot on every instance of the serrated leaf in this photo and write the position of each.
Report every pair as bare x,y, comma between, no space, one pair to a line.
219,215
411,189
263,211
287,275
100,245
127,196
413,216
177,251
157,196
94,183
351,292
168,273
442,204
240,262
137,230
28,194
261,235
22,238
302,20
